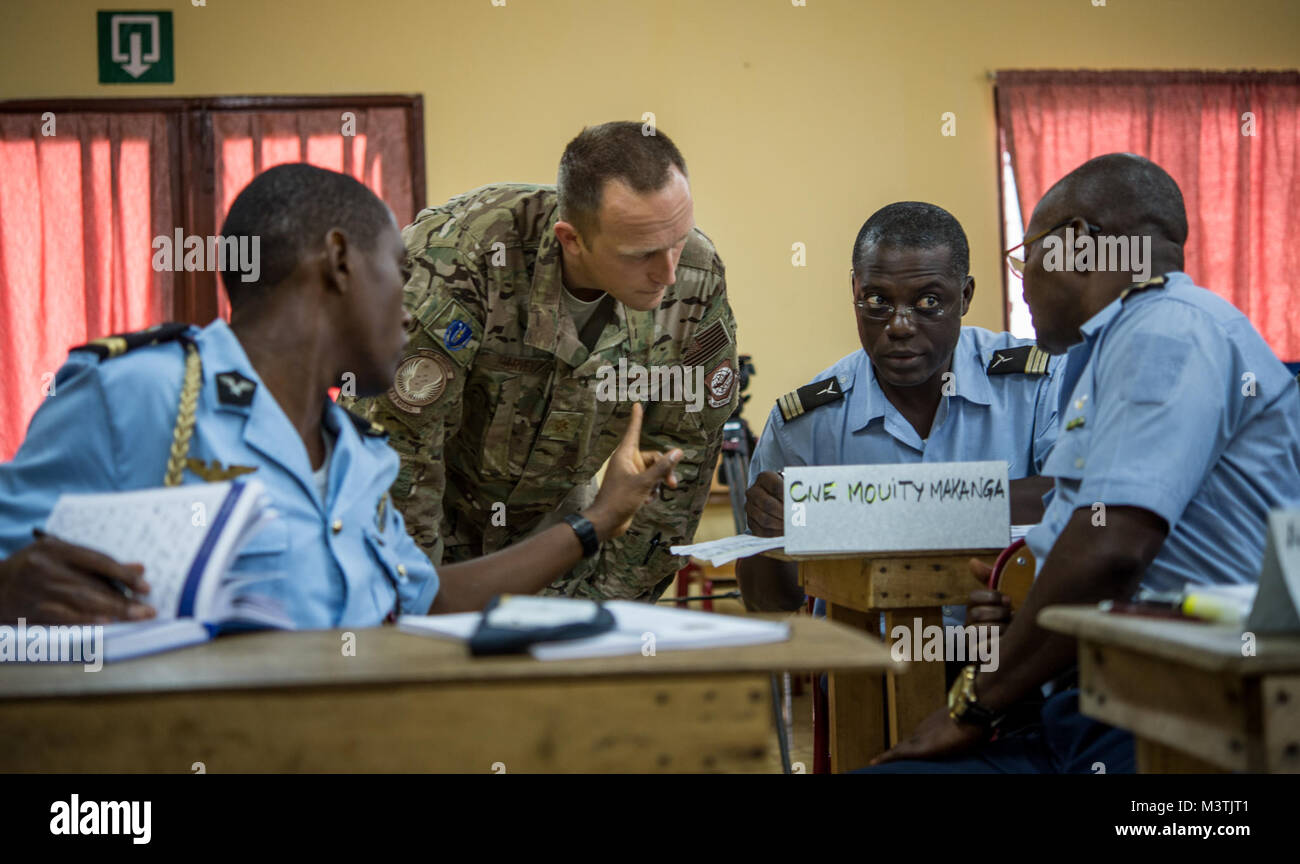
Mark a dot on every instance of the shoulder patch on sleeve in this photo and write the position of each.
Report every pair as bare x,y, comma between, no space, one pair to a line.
808,397
453,330
108,347
366,427
707,342
1026,359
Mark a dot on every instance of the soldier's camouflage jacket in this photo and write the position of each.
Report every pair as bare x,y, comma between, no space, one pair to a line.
494,408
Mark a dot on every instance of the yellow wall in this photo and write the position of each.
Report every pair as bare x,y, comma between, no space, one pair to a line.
796,122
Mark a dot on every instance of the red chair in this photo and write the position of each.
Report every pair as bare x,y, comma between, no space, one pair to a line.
685,576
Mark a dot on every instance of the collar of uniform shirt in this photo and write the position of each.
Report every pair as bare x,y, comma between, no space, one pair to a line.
547,288
970,380
1097,323
222,352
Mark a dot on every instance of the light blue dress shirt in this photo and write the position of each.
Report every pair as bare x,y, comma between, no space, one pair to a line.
1173,403
1008,417
347,561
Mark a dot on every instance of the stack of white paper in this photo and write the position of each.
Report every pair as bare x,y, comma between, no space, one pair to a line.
640,628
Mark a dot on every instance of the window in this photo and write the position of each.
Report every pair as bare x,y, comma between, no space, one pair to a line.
1230,139
86,185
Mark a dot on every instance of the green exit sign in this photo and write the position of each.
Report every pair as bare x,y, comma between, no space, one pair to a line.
135,47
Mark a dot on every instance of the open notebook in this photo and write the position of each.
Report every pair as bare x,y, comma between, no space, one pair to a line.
187,538
634,625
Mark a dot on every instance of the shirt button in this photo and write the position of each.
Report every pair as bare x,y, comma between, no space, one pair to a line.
1078,463
401,570
337,526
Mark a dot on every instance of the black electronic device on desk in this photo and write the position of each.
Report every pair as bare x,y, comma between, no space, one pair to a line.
512,623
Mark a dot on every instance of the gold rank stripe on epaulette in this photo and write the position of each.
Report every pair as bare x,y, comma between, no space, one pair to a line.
808,397
1026,359
109,347
707,343
1141,286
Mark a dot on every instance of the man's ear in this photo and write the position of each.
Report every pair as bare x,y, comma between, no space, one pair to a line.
569,237
335,262
967,292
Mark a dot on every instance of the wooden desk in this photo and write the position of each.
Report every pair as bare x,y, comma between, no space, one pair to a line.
1185,691
904,586
291,702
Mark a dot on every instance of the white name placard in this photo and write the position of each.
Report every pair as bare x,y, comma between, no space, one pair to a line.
1277,604
896,508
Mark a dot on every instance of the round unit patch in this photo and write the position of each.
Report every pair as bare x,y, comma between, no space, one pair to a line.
721,381
421,378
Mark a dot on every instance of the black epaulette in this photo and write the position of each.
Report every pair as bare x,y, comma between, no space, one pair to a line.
114,346
1025,359
366,427
808,397
1139,287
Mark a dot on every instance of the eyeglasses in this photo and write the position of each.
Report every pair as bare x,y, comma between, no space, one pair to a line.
879,311
1018,264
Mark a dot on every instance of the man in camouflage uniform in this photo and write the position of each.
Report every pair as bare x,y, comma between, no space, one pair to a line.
523,299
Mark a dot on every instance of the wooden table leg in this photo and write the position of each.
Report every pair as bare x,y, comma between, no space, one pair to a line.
856,702
913,695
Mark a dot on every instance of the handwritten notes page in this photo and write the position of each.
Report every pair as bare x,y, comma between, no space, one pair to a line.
163,529
893,508
728,549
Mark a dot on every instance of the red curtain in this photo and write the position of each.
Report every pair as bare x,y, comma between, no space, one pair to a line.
370,145
79,209
1231,141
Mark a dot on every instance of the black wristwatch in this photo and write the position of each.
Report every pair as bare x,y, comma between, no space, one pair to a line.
586,533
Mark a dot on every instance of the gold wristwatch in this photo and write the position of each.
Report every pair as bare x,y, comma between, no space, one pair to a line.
964,707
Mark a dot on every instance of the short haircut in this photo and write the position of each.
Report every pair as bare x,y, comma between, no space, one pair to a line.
290,208
619,150
1124,194
914,225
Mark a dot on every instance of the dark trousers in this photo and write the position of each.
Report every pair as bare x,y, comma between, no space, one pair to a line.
1064,742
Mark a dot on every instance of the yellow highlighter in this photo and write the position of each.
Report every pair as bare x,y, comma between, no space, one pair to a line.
1211,607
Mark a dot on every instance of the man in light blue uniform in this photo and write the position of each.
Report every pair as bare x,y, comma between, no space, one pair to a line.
119,415
1179,364
1180,431
923,388
177,404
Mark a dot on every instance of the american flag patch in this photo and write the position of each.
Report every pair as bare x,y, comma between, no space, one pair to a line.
706,344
